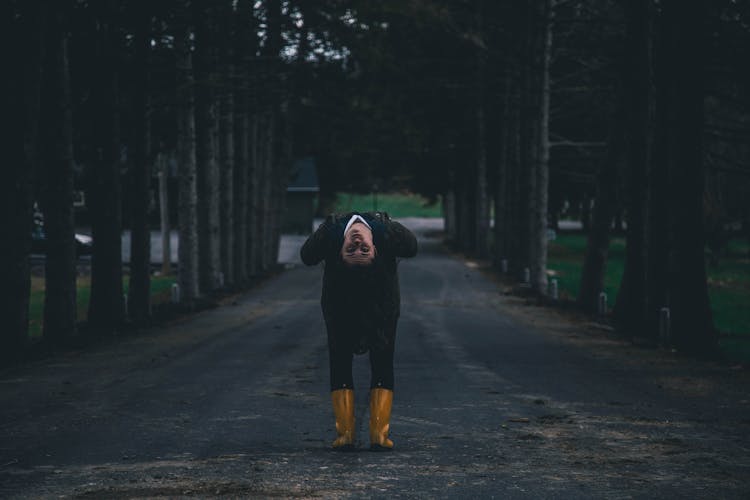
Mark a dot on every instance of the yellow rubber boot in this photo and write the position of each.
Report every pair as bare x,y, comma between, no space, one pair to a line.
381,401
343,410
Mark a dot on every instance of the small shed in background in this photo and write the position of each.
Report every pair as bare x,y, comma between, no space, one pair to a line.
301,196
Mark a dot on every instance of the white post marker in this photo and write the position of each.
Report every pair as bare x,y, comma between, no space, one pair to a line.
603,303
664,325
175,293
526,276
553,292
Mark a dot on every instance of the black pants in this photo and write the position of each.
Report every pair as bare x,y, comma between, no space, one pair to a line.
381,367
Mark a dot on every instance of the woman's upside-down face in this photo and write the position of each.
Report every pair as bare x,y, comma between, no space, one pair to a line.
358,248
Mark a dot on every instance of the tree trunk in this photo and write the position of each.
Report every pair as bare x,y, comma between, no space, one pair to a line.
226,213
638,95
466,213
273,160
528,140
541,43
243,47
266,180
586,213
105,192
240,182
206,125
482,209
227,105
605,205
501,205
482,226
687,41
252,82
515,211
449,215
188,195
254,233
659,238
57,191
280,179
261,198
16,194
166,237
139,300
262,190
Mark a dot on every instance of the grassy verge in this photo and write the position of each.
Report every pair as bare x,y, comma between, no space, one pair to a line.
565,262
160,293
728,285
396,204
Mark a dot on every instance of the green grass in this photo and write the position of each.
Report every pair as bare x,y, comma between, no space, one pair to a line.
160,293
729,290
565,261
396,204
728,285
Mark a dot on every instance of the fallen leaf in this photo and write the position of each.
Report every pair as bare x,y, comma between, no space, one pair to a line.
519,420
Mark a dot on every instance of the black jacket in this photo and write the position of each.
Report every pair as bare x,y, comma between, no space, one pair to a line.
361,306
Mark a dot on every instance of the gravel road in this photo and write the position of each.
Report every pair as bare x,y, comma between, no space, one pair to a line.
494,398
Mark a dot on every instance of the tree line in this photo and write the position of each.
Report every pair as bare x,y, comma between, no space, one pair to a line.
656,79
632,115
98,91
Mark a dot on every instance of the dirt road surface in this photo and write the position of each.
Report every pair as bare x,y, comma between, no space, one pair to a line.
494,398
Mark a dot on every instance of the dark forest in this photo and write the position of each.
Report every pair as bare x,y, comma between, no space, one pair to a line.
507,112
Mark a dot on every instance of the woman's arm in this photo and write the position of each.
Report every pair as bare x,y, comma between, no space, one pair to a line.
318,245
